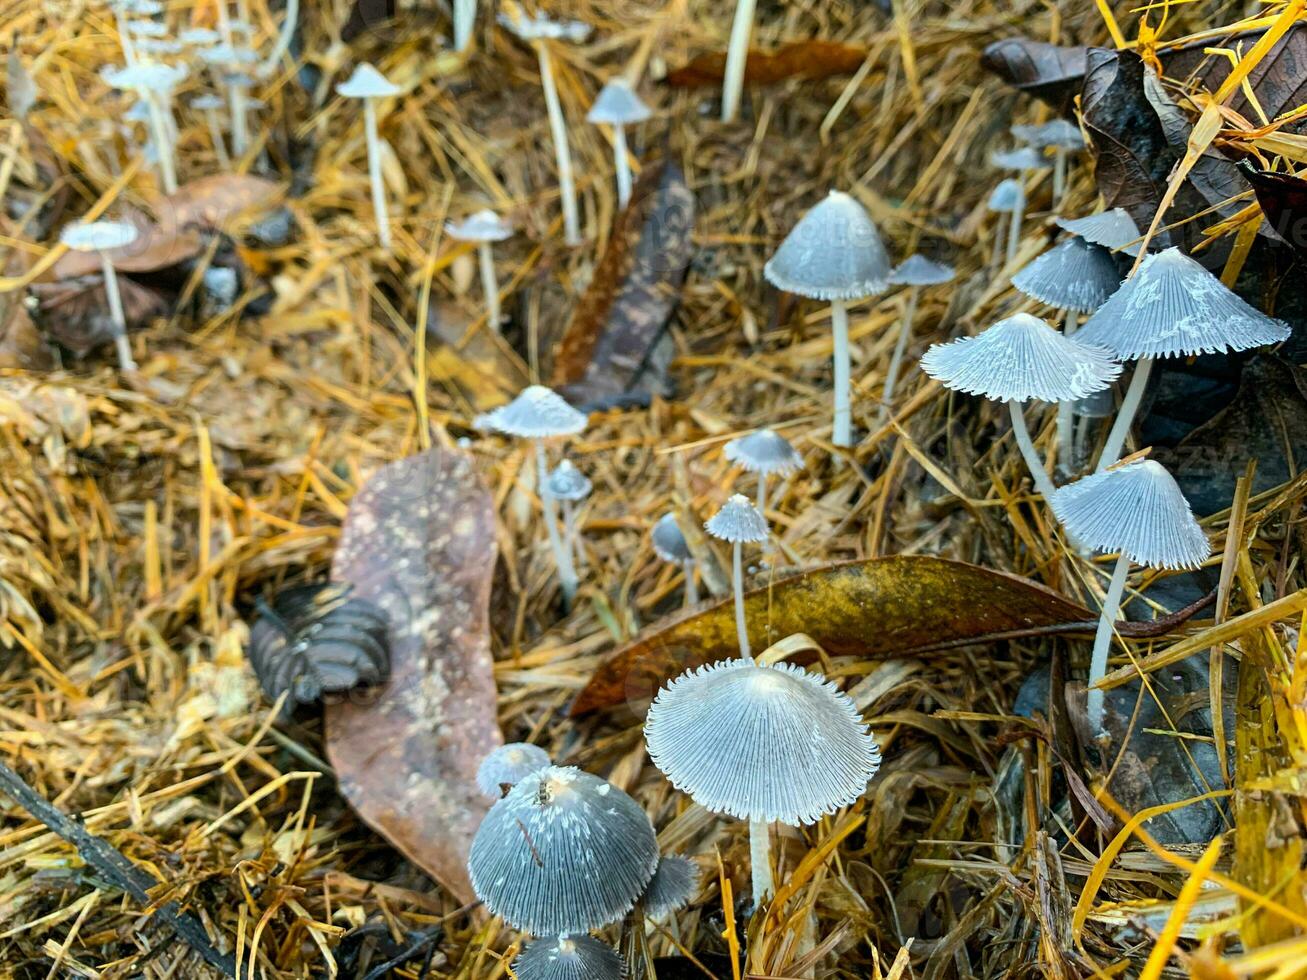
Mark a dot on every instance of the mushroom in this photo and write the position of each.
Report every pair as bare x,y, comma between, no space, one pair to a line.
484,228
1171,307
465,19
1007,199
834,253
101,237
1062,137
570,485
763,452
674,883
563,852
738,522
508,765
1136,509
368,84
766,744
208,105
153,82
231,60
914,272
147,28
737,57
199,37
539,414
1024,160
568,958
669,545
1017,360
618,106
1113,229
538,32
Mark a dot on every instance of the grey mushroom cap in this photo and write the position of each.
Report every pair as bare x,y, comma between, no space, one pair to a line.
1024,158
562,852
508,765
738,522
1072,275
159,45
1138,510
1007,195
618,105
1021,359
668,541
674,883
536,413
148,28
208,101
833,253
917,270
481,226
98,236
539,28
578,957
1056,133
768,743
145,76
1173,307
367,83
199,36
1113,229
566,482
229,55
763,451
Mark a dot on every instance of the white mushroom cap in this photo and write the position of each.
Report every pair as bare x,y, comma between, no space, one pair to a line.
1057,133
1006,195
508,765
1173,307
1137,510
536,413
207,102
142,8
673,885
738,521
1072,275
367,83
148,28
917,270
776,744
231,55
538,28
145,76
1020,359
562,852
98,236
668,541
566,482
1113,229
568,958
617,105
763,451
1024,158
199,35
834,252
481,226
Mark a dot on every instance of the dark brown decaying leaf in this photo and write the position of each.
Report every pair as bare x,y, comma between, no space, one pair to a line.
419,542
75,311
1050,72
616,341
1283,198
811,60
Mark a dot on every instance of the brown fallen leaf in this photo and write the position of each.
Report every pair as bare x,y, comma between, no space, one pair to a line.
810,60
1050,72
75,311
1283,199
419,541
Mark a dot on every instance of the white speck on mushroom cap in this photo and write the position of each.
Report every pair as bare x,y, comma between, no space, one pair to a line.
668,542
833,253
568,958
1072,275
1021,359
763,451
95,236
508,765
1113,229
556,855
738,522
771,743
1006,195
481,226
673,885
536,413
566,482
917,270
1173,307
1137,509
367,83
617,105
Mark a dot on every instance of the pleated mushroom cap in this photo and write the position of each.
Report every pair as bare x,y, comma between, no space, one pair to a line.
833,253
566,482
1173,307
617,105
1137,510
673,885
763,451
562,852
1024,158
668,541
1072,275
1113,229
508,765
1020,359
481,226
1006,195
1056,133
367,83
95,236
775,744
917,270
568,958
536,413
738,522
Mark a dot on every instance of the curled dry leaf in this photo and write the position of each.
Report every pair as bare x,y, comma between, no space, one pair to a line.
1283,198
1051,73
419,542
810,60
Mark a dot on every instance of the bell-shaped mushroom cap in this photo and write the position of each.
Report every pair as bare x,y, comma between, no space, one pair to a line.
738,522
1173,307
673,885
199,35
367,83
1113,229
775,744
539,28
208,101
1019,359
917,270
568,958
508,765
617,105
1024,158
834,252
566,482
1006,195
563,852
537,413
1137,510
668,541
96,236
148,28
763,451
145,76
1072,275
230,55
1057,133
481,226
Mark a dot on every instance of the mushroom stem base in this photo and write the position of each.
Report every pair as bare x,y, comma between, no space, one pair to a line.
760,862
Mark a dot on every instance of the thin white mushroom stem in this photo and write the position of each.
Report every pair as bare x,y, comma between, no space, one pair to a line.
1134,394
996,251
489,283
1066,419
691,586
465,15
124,348
737,56
374,173
562,152
1059,176
124,36
215,137
549,506
240,130
1027,446
1081,448
760,861
287,32
623,166
842,426
1014,229
162,143
571,538
737,583
1102,641
896,359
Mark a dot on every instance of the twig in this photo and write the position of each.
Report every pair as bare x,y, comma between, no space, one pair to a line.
423,940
